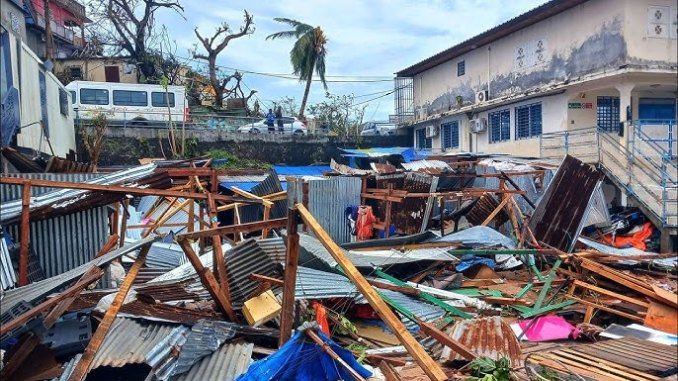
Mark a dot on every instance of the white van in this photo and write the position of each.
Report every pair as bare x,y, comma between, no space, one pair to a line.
128,104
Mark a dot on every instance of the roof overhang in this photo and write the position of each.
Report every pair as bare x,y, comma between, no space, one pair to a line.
534,16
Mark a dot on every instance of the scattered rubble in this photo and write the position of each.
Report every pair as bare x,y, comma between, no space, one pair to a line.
467,266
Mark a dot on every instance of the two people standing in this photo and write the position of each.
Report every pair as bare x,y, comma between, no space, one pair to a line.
272,118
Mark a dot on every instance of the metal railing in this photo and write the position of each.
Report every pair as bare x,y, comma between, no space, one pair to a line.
645,165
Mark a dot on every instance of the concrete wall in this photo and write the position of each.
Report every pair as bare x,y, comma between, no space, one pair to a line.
12,18
125,146
94,69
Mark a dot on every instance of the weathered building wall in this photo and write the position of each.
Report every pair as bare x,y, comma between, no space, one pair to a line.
128,145
12,18
94,69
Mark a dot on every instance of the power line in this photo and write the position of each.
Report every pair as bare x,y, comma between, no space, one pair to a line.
291,77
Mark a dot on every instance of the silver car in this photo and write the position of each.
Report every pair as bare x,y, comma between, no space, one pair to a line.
290,126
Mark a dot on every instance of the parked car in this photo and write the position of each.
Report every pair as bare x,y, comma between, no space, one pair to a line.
290,126
372,128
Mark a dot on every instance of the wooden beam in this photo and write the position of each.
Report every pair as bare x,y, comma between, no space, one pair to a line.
91,276
218,251
507,178
249,195
208,280
231,229
125,216
25,234
25,347
166,215
263,278
137,191
388,371
446,340
290,277
267,216
413,246
495,211
430,367
82,367
327,349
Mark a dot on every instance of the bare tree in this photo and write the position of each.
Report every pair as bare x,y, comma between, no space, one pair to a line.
214,45
93,134
130,27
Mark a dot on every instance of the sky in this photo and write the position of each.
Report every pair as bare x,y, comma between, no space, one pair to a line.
369,40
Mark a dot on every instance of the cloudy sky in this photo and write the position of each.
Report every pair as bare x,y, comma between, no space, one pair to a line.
369,40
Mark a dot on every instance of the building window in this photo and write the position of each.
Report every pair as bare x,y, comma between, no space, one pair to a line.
608,113
159,99
528,121
75,72
130,98
450,133
461,68
94,96
422,141
500,126
63,102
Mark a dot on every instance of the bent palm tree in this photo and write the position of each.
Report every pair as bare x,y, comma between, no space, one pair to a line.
307,55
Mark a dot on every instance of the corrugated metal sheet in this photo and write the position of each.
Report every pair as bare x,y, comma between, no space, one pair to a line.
67,200
424,311
270,185
65,242
487,337
68,368
315,284
482,209
35,292
314,255
229,362
274,248
180,217
128,341
241,261
413,214
165,255
8,277
426,165
14,192
327,200
563,211
165,312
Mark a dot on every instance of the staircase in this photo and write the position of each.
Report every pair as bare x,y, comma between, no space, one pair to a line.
644,166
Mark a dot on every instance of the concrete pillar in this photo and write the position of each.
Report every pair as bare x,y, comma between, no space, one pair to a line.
625,90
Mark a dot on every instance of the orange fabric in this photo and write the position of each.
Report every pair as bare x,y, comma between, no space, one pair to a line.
364,223
636,240
321,318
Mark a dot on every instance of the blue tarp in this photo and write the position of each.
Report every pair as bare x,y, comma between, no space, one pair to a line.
307,170
246,186
303,360
408,154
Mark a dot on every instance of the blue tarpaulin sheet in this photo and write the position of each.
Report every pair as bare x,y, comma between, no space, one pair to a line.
303,360
408,154
307,170
247,185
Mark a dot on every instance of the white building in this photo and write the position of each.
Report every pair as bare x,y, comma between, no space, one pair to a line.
565,65
42,122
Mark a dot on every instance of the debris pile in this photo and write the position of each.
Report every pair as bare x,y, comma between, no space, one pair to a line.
451,267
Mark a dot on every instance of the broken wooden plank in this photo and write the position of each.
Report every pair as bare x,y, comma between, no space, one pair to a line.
289,284
419,354
25,234
231,229
82,367
208,280
327,349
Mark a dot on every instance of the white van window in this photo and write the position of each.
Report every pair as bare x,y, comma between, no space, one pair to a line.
159,99
130,98
94,96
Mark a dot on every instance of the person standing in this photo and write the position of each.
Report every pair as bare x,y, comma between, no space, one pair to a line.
270,118
278,117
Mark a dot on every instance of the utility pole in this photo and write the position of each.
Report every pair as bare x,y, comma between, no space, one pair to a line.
49,38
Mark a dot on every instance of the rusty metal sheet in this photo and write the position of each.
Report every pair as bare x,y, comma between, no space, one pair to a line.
563,210
483,208
486,337
166,312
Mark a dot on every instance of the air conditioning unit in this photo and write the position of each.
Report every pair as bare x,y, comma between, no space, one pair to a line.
478,125
431,131
481,96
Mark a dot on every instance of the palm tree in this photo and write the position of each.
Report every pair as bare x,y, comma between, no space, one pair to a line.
307,55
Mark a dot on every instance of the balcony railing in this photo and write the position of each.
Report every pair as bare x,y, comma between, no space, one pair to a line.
60,31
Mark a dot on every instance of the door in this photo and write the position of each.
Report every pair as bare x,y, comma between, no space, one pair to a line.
112,73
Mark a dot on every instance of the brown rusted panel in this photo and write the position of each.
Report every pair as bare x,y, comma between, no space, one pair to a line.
412,213
483,208
558,217
486,337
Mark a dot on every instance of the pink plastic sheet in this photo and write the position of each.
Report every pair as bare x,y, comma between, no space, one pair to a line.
546,328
